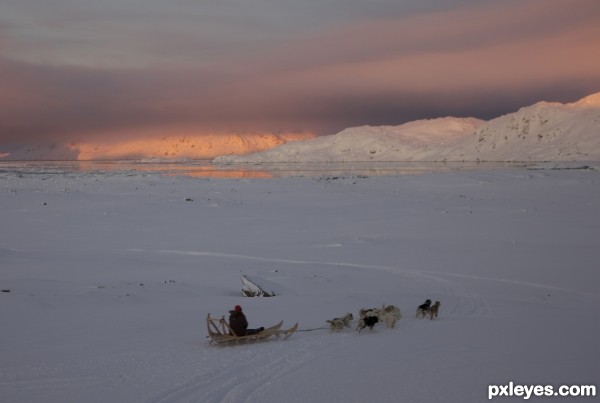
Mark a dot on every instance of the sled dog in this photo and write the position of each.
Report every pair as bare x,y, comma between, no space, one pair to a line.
433,310
389,315
340,323
423,309
367,318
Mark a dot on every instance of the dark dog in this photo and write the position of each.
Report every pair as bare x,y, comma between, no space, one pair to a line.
370,321
368,318
423,309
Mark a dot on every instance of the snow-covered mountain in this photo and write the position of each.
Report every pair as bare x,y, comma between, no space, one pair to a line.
167,147
540,132
411,141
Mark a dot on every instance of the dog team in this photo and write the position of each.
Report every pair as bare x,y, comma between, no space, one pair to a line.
388,314
427,309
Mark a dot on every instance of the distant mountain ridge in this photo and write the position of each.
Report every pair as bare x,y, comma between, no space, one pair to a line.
170,147
542,132
545,131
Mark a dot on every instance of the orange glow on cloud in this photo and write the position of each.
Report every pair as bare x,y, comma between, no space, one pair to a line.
444,61
479,59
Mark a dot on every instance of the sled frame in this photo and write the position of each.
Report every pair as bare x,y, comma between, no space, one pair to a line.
220,332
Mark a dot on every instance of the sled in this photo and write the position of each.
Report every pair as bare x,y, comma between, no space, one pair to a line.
220,332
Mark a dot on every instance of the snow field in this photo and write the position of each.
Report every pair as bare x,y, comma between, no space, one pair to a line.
111,280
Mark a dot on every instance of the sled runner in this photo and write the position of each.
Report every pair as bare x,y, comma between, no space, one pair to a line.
220,332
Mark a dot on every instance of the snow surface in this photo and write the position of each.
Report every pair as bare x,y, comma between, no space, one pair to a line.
107,280
541,132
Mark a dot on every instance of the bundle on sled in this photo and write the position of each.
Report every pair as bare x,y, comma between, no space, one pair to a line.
220,332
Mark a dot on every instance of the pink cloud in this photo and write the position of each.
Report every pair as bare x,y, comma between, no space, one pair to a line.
481,61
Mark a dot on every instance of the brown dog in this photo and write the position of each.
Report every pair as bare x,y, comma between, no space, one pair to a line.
434,309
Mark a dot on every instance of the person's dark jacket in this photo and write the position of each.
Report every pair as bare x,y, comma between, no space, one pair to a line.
238,322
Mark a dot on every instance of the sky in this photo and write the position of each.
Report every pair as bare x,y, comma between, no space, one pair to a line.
82,70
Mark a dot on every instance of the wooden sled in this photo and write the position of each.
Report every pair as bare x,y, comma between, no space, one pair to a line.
220,332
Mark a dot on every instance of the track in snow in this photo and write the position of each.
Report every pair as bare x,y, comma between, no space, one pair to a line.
244,373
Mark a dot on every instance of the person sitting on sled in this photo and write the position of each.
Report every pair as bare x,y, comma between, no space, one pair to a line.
239,324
